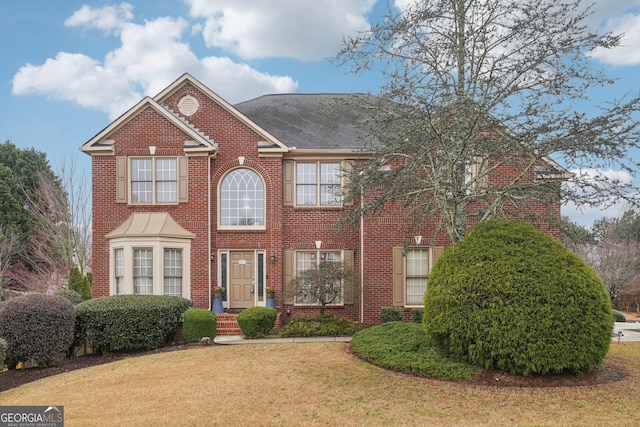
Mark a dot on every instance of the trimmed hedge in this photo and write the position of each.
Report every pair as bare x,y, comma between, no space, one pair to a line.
199,323
129,322
3,352
510,297
72,296
37,328
417,314
257,322
619,316
391,314
326,325
403,347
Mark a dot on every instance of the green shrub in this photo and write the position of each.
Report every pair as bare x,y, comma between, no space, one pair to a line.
417,314
199,323
3,352
75,280
257,322
403,347
391,314
86,289
322,326
618,316
37,328
510,297
129,322
72,296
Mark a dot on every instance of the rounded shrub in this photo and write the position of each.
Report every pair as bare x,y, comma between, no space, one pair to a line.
510,297
199,323
37,328
72,296
129,322
619,316
3,352
257,322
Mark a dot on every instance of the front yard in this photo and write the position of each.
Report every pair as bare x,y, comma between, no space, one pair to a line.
314,384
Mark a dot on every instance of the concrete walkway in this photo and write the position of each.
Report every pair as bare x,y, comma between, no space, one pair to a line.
237,339
626,331
622,332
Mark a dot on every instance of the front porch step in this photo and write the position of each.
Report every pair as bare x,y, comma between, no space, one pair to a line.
228,325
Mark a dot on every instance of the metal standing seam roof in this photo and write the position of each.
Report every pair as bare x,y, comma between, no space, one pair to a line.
311,121
150,224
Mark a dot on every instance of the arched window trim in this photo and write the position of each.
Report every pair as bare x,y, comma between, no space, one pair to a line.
222,206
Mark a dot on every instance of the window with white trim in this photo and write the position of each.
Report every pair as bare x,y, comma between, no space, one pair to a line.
154,266
154,180
242,199
411,267
143,271
118,274
306,260
417,273
318,183
173,272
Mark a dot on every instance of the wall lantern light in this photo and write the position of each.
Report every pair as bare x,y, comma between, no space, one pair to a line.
273,257
212,256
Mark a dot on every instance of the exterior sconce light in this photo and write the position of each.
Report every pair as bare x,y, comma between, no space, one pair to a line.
318,244
418,239
273,257
212,256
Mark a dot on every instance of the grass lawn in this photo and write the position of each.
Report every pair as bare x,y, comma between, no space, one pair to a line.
313,384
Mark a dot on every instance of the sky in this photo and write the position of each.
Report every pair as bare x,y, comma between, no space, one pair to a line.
68,68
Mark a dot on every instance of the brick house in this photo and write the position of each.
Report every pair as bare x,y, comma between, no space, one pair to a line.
190,192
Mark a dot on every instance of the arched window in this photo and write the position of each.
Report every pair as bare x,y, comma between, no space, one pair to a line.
242,199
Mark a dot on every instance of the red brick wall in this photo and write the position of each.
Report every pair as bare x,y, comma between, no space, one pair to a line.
287,228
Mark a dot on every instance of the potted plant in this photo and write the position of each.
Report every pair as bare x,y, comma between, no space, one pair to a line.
217,300
270,297
218,291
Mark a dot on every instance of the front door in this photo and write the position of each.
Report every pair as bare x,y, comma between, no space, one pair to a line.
242,279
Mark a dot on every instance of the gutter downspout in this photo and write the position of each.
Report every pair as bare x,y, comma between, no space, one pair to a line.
361,255
209,157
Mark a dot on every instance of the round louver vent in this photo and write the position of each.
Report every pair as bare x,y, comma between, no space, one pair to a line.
188,105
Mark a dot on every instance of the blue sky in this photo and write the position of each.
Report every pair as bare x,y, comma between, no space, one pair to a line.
68,68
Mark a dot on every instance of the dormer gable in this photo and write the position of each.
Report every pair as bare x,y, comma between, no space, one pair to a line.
196,141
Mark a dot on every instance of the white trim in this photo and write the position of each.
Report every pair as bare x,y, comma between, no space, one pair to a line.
157,245
97,142
186,77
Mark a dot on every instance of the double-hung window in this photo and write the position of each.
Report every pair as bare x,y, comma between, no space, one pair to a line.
318,183
173,272
411,268
308,292
154,180
143,271
118,275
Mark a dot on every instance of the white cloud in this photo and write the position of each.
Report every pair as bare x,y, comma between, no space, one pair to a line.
628,53
77,78
305,30
150,56
586,215
108,19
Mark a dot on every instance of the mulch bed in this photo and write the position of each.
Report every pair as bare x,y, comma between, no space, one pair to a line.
611,371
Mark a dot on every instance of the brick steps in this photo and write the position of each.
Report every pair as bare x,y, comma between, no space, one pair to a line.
228,325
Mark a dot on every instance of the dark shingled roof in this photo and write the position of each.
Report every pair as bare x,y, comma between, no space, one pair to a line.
311,121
